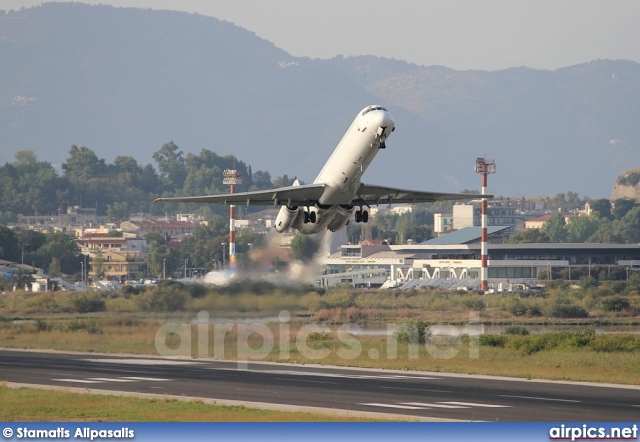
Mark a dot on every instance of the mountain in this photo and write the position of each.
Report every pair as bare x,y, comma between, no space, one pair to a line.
124,81
627,186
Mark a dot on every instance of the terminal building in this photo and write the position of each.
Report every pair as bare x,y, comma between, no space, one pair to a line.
453,261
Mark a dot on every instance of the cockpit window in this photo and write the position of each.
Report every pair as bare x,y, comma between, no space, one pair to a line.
372,108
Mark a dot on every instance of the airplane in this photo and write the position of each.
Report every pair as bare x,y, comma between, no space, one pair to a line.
330,201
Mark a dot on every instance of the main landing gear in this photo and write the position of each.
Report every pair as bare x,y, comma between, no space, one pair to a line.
310,217
362,216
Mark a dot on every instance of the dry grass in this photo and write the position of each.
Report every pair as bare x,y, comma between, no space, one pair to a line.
25,404
127,326
286,343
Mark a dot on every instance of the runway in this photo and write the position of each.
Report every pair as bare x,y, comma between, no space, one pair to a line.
425,395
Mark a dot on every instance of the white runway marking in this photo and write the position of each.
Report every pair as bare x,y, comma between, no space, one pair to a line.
111,380
141,361
539,398
80,381
473,404
307,380
433,405
105,380
405,407
138,378
416,389
430,405
341,375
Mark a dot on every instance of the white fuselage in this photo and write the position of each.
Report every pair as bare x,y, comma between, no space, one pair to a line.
342,172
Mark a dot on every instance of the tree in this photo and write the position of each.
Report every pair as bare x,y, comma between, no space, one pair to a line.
629,226
9,248
61,246
83,164
621,207
29,186
581,228
531,236
204,247
606,233
555,228
21,279
97,264
304,248
54,267
127,170
603,207
162,260
262,180
171,165
283,181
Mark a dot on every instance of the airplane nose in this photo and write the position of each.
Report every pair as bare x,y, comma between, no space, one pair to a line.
385,124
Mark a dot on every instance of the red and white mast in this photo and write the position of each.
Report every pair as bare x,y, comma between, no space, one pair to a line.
231,178
484,167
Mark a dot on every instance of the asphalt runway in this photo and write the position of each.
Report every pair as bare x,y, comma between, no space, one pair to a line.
425,395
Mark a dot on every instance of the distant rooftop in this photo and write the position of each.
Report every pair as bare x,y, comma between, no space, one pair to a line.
467,235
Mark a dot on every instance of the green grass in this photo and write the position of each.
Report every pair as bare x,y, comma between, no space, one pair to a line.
29,404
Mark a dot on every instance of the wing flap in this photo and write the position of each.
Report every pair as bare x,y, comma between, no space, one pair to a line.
371,194
291,195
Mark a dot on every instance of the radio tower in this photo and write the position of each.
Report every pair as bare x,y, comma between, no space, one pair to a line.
232,177
484,167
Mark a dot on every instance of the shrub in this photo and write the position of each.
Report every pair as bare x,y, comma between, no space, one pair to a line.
518,309
563,308
43,325
547,341
493,340
587,282
616,304
196,290
129,290
474,303
88,303
615,343
535,310
516,329
89,326
413,332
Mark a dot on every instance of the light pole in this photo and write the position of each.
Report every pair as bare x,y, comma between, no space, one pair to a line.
23,252
224,244
82,271
185,268
164,268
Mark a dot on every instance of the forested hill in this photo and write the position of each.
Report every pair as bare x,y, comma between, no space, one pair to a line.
123,82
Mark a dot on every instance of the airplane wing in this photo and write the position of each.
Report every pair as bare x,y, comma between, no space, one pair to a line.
368,194
306,194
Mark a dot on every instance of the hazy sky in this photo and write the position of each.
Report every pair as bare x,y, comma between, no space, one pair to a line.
460,34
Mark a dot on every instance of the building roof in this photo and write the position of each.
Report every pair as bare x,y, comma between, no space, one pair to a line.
466,235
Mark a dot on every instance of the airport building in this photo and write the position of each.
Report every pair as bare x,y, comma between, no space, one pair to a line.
453,261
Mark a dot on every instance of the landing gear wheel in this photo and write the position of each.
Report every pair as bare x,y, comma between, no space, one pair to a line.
358,216
313,217
365,216
307,218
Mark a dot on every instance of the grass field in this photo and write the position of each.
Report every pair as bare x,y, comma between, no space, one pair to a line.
604,358
29,404
165,321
